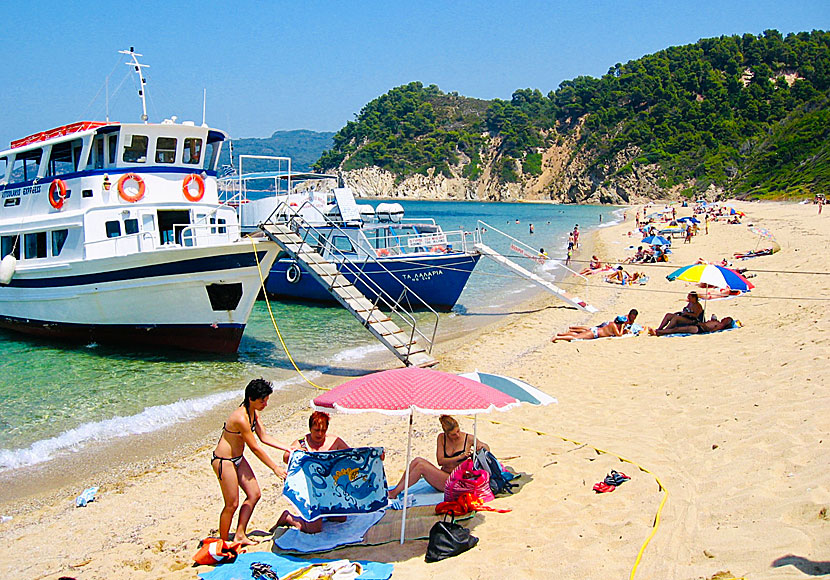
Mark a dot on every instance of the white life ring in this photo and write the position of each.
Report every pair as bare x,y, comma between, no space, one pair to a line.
293,274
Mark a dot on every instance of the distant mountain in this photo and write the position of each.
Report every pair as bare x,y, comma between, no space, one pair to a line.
302,146
735,115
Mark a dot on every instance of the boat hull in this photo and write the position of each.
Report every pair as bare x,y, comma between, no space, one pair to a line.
437,279
189,298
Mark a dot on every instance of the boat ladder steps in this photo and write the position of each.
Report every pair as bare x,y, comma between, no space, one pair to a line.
382,327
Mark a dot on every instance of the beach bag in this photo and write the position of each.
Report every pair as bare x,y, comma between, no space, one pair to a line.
214,551
488,462
466,479
447,539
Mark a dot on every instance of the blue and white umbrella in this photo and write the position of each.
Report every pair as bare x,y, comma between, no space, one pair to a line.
694,220
656,241
515,388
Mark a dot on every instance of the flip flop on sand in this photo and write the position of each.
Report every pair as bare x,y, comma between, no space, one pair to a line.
603,487
616,478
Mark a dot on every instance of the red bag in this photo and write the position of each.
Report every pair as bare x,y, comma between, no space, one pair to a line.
216,551
466,479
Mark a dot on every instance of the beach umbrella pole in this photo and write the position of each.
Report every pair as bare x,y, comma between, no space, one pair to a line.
406,479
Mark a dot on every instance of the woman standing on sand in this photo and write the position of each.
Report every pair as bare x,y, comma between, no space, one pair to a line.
233,469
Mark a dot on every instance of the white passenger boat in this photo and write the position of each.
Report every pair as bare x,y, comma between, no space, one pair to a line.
113,232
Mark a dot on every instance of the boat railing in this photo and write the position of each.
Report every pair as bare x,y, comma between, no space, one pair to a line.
190,236
292,217
393,244
520,247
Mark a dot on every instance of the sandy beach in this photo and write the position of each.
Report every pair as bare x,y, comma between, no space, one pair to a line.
729,423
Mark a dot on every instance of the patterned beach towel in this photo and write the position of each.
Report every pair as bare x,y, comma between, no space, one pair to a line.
336,483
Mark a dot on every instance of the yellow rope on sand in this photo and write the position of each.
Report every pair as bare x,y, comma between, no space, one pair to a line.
274,322
660,486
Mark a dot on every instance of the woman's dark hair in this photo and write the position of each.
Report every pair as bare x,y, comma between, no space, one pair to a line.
257,389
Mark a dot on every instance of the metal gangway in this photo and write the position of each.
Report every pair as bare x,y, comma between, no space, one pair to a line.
303,242
523,249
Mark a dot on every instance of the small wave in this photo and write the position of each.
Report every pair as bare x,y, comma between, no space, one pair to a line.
357,352
150,419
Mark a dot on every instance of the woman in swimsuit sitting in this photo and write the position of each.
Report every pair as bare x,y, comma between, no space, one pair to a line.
454,447
233,469
691,313
315,440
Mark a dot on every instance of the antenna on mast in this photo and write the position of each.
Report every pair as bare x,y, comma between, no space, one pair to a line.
204,106
142,81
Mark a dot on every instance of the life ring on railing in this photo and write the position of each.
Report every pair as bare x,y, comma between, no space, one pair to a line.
200,185
293,274
59,185
438,249
382,252
126,196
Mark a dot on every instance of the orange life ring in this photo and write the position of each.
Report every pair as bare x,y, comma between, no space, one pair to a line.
382,252
58,185
200,184
438,249
126,196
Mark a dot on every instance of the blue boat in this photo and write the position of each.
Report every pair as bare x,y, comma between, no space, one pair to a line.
410,261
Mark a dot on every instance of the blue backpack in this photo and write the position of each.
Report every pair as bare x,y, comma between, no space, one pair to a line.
488,462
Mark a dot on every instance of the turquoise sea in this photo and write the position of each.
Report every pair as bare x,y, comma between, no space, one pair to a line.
57,398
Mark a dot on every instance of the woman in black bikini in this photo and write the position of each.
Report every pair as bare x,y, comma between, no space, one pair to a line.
454,446
233,469
691,313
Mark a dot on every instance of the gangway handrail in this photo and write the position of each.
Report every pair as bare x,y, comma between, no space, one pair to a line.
291,216
482,225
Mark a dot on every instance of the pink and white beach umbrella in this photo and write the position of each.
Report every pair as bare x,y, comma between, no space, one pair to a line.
403,391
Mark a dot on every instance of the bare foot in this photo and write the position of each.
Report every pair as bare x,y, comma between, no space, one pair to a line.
651,331
244,540
289,521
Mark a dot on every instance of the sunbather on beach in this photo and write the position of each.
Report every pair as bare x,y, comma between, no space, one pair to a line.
233,469
696,328
317,439
691,313
594,265
453,448
625,319
610,328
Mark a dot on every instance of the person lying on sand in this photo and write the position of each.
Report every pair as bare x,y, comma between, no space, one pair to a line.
605,330
453,448
594,265
620,276
316,439
233,469
696,328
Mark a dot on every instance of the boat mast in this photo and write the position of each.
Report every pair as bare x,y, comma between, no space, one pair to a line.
142,81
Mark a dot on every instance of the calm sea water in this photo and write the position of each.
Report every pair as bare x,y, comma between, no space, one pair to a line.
56,398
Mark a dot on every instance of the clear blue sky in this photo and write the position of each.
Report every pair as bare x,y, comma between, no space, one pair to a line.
309,64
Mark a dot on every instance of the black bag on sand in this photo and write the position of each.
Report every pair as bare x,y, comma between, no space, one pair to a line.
447,539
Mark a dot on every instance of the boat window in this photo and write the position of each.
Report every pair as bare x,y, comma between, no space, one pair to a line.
212,156
10,245
4,164
171,224
26,165
136,150
148,223
192,150
34,245
113,141
131,226
96,154
343,243
58,240
64,158
113,229
165,150
221,223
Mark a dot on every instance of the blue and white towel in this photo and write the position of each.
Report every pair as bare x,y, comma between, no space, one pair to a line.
332,535
283,565
336,483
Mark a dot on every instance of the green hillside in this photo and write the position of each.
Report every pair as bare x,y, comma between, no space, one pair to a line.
304,147
747,113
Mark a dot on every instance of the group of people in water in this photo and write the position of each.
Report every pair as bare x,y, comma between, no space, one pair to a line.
244,428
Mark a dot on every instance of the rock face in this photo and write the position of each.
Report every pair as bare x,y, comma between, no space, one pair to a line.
568,175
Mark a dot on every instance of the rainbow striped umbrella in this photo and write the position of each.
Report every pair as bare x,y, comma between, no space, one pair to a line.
713,275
